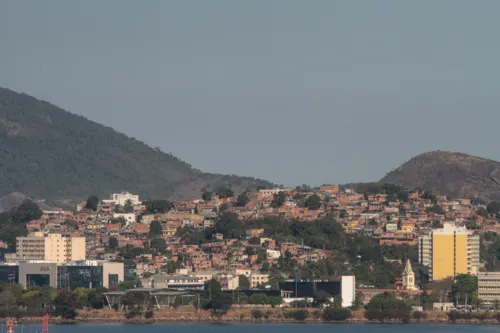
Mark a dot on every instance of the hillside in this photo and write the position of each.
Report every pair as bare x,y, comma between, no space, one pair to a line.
47,152
455,174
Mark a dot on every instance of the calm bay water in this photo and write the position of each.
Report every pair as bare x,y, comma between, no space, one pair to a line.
259,328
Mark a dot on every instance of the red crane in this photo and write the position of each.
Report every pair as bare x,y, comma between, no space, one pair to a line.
45,323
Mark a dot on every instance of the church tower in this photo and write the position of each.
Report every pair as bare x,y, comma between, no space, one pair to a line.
408,277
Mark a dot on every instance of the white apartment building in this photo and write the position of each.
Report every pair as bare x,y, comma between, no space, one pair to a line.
122,198
56,248
258,278
128,217
488,285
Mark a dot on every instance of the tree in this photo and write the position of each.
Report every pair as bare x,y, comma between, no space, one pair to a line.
128,207
313,202
493,207
158,206
155,229
113,243
65,305
436,210
27,211
242,200
257,314
159,244
206,196
215,300
244,283
321,297
482,212
96,298
224,192
149,314
464,287
229,225
92,202
278,199
171,267
385,307
130,284
299,315
336,314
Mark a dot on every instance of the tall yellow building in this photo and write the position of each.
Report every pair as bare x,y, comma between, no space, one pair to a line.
52,247
449,251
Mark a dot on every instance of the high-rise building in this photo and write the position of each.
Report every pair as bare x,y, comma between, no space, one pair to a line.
449,251
56,248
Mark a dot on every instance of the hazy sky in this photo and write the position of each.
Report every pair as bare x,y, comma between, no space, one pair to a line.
290,91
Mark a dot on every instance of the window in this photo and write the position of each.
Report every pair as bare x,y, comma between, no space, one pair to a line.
113,279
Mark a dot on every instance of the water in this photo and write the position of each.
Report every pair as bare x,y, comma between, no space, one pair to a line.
260,328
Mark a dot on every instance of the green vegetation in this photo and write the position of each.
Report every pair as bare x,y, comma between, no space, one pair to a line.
336,314
155,229
224,192
113,243
493,207
353,253
158,206
244,283
242,200
385,307
206,195
313,202
214,300
13,223
299,315
92,202
50,153
278,200
464,289
38,301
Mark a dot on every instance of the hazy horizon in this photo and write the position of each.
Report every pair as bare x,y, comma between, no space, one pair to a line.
293,92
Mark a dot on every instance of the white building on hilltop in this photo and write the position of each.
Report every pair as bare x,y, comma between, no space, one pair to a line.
122,198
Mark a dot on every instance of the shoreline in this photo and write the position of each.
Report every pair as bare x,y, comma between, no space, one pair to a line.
141,321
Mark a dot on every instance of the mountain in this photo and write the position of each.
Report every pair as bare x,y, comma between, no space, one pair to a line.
47,152
15,199
455,174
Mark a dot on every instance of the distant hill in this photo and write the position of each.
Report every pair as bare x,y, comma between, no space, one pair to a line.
47,152
14,200
454,174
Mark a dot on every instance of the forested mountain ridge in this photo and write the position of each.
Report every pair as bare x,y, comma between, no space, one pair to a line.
47,152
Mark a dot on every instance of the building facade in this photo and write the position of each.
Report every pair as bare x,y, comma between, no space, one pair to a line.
488,285
122,198
56,248
175,282
449,251
344,288
73,275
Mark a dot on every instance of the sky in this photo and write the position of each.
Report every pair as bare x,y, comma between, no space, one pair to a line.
295,92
